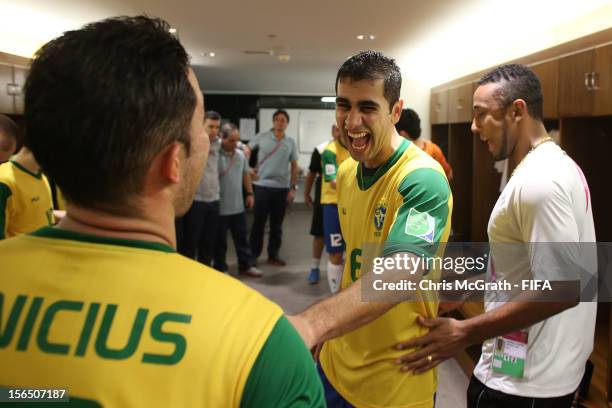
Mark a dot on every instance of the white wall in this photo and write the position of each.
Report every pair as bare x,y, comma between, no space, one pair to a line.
416,96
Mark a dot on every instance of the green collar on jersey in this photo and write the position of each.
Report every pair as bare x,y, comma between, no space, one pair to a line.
20,167
49,232
366,182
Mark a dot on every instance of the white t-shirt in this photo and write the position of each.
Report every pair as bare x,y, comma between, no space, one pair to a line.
546,200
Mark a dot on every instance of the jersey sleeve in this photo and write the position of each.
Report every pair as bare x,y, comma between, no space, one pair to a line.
284,374
329,165
5,194
423,218
315,162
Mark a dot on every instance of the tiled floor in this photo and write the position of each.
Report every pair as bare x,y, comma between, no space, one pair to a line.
288,287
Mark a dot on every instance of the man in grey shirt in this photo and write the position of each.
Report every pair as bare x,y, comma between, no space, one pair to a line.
233,177
274,184
199,224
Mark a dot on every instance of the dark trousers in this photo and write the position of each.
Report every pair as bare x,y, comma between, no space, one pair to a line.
273,202
481,396
237,224
200,231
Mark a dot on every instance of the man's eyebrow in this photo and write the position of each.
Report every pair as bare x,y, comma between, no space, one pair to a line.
368,104
340,99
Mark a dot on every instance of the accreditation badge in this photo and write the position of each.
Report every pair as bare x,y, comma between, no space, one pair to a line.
510,354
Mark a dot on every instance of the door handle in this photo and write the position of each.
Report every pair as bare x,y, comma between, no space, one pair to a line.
594,81
587,81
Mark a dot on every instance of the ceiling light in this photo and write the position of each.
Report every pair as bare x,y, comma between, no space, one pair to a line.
328,99
360,37
172,30
284,58
211,54
365,37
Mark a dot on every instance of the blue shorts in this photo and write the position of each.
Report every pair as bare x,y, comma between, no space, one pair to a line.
332,397
334,243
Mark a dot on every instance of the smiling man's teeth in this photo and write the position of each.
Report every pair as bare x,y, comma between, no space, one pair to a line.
358,135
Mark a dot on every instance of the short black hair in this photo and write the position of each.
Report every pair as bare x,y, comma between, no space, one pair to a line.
280,112
213,115
410,123
517,82
9,128
372,65
101,102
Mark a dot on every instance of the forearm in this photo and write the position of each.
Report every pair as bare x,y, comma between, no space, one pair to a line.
308,183
246,182
342,313
511,317
294,173
346,310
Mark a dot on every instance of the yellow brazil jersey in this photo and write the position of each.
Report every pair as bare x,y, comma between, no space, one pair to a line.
332,157
25,200
131,323
404,206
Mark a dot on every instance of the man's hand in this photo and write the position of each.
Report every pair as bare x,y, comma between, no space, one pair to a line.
290,195
308,200
250,201
253,173
304,330
445,339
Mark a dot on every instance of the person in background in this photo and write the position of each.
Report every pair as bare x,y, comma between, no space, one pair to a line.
26,202
409,126
8,138
233,177
114,314
316,224
333,156
275,185
199,224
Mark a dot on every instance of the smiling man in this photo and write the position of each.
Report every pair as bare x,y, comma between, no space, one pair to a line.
385,190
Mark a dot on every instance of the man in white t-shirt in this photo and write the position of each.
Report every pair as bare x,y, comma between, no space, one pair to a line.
546,205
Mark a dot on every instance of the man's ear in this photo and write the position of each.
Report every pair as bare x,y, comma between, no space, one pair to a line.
519,109
170,162
396,111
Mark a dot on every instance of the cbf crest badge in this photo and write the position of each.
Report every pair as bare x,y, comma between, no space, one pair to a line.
379,217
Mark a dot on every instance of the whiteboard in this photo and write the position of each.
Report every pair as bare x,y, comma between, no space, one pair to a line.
314,128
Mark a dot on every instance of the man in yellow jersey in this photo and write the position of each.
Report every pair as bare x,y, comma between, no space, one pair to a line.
25,196
102,305
333,156
393,194
8,138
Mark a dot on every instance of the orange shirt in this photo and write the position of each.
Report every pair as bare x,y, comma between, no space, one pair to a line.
434,151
